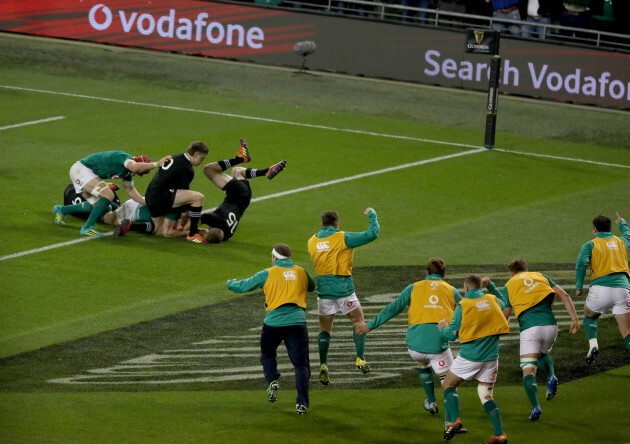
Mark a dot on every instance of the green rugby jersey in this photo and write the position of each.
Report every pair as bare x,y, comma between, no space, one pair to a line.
109,165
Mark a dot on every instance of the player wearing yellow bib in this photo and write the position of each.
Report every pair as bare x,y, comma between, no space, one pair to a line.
285,286
429,301
478,320
332,252
607,258
530,295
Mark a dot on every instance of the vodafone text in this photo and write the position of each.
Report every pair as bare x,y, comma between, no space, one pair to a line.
542,77
173,26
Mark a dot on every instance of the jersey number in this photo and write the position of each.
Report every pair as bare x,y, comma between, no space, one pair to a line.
167,164
232,222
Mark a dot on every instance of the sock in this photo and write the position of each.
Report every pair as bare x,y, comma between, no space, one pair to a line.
323,342
100,208
195,215
492,409
143,227
359,344
451,404
427,381
545,363
531,390
252,172
627,338
229,163
590,326
83,207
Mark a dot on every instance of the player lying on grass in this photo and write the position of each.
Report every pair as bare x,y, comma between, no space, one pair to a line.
224,220
131,216
87,177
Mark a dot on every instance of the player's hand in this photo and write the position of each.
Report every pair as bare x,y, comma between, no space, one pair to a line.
578,293
442,324
367,210
163,160
575,326
361,328
619,219
485,281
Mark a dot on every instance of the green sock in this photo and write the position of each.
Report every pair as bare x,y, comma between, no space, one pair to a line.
428,384
531,389
83,207
492,409
451,404
627,338
323,342
545,363
590,326
99,209
359,344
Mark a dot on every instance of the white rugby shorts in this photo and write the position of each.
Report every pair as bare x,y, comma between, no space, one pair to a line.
481,371
80,175
440,362
326,307
538,339
601,299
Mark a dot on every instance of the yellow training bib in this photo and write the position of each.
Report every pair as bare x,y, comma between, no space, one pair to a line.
482,317
285,286
527,289
331,255
609,256
431,301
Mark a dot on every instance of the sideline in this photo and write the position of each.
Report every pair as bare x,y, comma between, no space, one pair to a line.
34,122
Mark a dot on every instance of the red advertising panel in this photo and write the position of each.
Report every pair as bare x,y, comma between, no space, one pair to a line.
344,44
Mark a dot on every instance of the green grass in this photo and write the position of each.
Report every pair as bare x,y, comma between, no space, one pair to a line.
474,210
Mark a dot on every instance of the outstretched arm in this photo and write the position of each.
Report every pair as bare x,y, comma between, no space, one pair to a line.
256,281
354,240
391,310
625,231
133,194
568,305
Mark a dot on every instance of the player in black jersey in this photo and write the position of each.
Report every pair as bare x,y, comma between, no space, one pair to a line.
224,220
169,193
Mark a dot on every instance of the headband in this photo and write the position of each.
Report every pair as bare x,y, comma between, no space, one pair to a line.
278,255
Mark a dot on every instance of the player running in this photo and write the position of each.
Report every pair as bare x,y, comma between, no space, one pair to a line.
224,220
87,177
332,252
531,296
607,257
479,322
429,301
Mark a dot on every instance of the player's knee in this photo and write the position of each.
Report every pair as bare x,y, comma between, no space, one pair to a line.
485,393
212,169
102,190
529,366
198,199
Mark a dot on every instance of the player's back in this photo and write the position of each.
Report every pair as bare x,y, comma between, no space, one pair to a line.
176,174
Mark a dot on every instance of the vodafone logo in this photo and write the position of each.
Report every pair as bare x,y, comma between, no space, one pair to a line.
434,299
323,246
290,275
175,26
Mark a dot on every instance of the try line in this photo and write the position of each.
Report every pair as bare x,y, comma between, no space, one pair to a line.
34,122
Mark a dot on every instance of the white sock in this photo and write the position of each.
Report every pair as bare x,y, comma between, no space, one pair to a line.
592,343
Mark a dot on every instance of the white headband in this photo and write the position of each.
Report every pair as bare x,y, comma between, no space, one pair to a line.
278,255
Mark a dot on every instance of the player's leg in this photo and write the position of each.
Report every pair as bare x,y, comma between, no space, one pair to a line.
548,335
99,189
425,373
215,172
270,339
621,312
353,310
596,304
269,173
486,396
296,341
195,200
453,423
326,309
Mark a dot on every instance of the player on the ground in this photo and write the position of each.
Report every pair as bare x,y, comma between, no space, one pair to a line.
429,301
87,177
75,204
607,257
531,296
332,252
224,220
479,322
169,194
285,286
135,217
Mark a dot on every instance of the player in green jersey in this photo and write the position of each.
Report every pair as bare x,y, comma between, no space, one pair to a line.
530,295
607,258
429,301
87,177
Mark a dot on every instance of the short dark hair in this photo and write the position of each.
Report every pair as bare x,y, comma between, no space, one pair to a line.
436,266
517,265
283,249
602,223
329,217
473,281
197,147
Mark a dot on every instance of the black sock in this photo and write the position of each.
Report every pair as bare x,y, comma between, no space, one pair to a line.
143,227
195,215
229,163
253,172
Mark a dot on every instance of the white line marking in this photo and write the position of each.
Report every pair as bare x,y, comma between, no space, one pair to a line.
34,122
271,196
548,156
